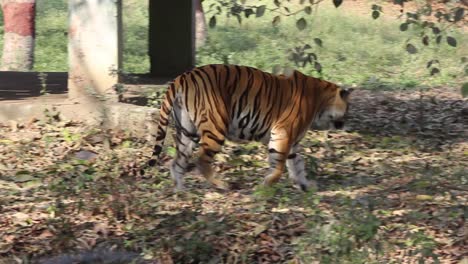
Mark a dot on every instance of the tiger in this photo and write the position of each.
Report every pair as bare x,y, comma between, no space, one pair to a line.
214,103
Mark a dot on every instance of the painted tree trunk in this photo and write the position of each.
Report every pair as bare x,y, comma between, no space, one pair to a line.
200,25
19,25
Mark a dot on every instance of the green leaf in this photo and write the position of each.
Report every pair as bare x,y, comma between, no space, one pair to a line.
424,197
411,49
459,14
425,40
337,3
434,71
429,64
375,14
464,90
276,20
212,22
436,30
318,42
236,162
318,67
301,24
248,12
451,41
404,26
277,3
260,10
312,56
308,10
23,176
239,18
377,8
171,151
439,39
464,59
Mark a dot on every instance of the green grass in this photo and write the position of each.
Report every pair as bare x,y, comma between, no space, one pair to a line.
51,36
356,49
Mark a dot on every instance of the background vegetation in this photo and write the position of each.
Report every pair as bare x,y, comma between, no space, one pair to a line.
391,190
355,48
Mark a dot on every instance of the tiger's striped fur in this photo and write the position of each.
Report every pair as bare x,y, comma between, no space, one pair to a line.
213,103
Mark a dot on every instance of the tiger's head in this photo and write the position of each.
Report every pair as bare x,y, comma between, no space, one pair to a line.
332,115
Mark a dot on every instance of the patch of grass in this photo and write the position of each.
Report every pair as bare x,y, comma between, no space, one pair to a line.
349,237
135,36
51,36
356,49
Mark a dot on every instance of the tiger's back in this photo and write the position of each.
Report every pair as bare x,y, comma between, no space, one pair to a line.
217,102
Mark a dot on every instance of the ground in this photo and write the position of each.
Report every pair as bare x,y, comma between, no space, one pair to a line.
392,189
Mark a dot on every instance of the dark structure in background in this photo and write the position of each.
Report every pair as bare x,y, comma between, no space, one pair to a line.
171,38
95,52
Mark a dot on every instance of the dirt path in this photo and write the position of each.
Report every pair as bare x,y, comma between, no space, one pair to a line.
392,189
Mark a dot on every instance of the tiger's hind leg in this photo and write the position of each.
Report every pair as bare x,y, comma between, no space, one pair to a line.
181,162
296,169
186,138
278,149
210,145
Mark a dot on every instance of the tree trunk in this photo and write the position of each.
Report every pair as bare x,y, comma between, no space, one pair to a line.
200,24
19,33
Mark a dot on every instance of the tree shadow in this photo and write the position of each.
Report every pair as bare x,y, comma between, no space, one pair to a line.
437,116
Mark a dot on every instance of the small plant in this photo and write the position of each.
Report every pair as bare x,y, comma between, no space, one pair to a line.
425,246
351,237
43,79
263,192
155,98
70,137
52,115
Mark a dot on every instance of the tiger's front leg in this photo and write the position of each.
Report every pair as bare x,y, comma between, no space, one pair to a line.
297,171
278,149
210,145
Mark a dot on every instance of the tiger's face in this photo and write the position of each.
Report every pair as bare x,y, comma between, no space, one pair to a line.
333,116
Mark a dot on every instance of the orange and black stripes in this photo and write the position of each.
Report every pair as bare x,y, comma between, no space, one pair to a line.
254,99
217,102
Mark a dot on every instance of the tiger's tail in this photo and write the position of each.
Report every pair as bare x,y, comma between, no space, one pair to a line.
164,112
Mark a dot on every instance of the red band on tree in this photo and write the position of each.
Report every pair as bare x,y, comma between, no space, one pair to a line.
18,18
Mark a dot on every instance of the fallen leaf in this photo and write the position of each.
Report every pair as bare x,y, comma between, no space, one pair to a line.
85,155
423,197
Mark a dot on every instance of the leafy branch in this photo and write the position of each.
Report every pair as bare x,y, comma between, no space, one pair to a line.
422,20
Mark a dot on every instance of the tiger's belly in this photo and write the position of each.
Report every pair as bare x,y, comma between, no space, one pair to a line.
245,129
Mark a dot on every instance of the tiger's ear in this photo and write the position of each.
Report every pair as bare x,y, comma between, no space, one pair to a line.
345,92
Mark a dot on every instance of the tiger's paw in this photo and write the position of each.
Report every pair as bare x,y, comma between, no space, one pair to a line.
179,190
306,186
270,180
